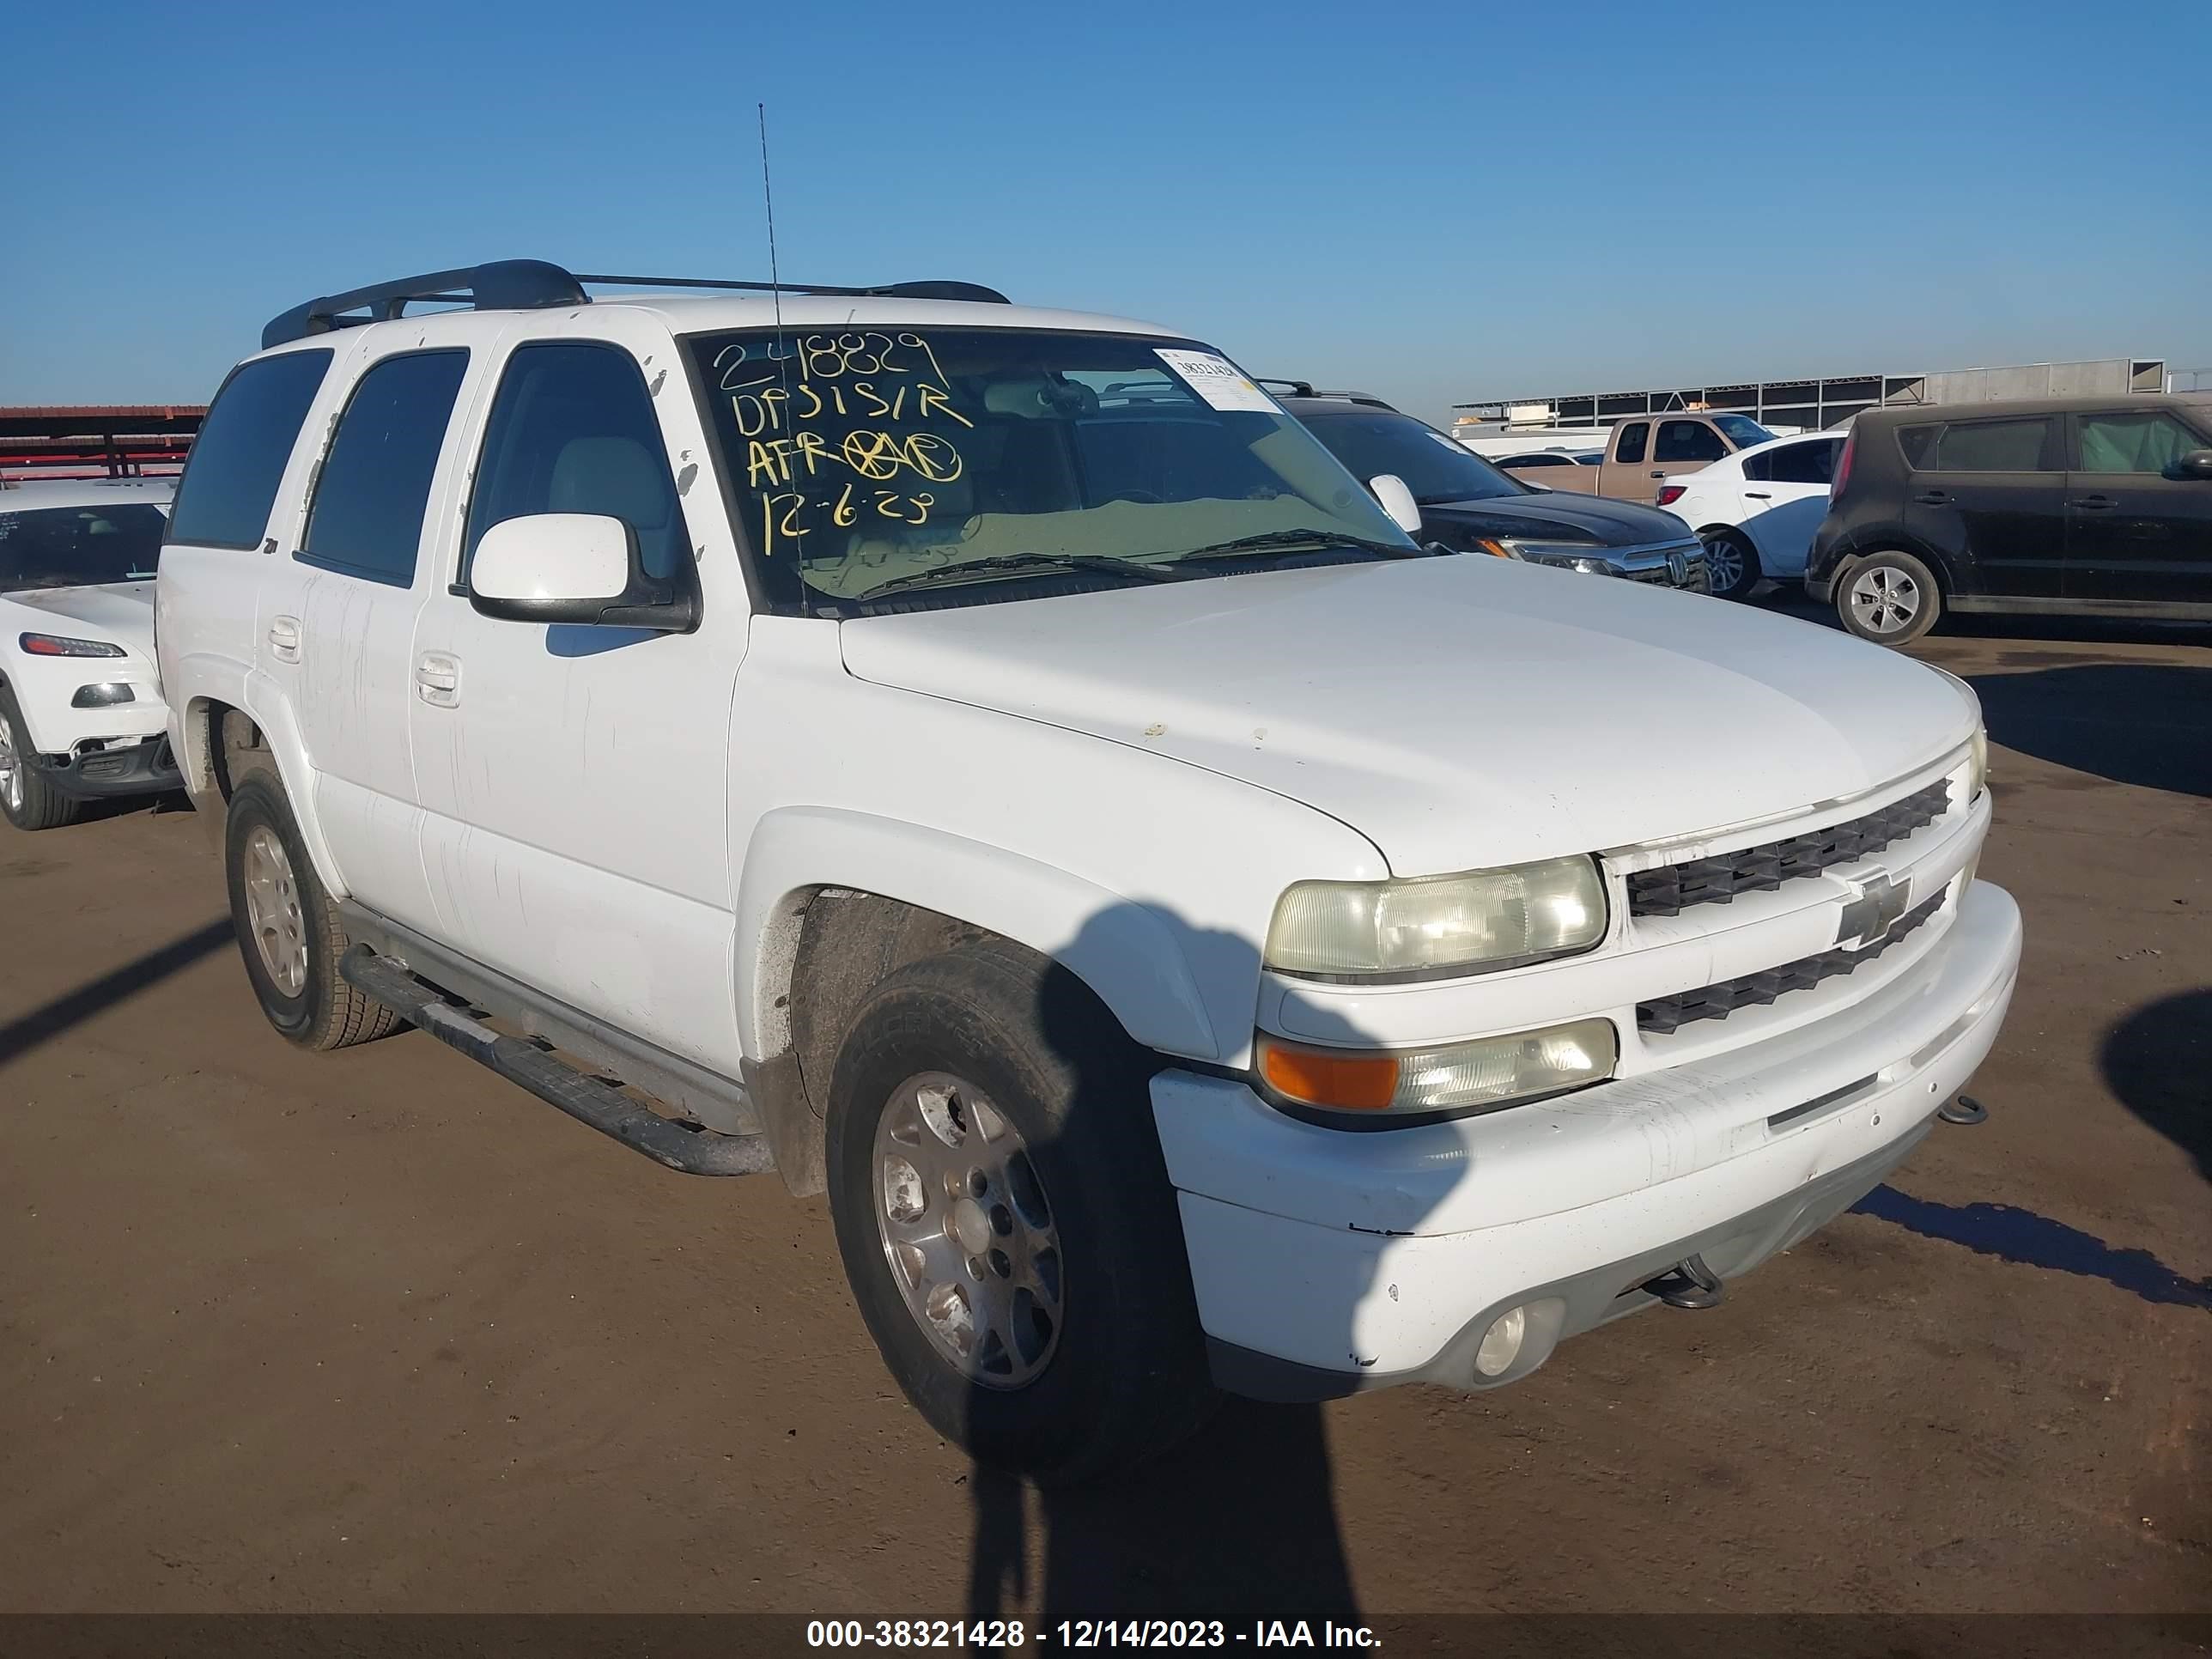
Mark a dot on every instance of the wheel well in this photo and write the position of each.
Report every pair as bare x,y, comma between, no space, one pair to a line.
222,746
1705,531
839,944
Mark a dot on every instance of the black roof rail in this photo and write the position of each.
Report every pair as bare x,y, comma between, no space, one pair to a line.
1291,388
533,284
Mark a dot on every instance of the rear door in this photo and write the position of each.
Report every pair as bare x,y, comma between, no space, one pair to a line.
1785,497
1989,496
2133,533
341,651
1678,445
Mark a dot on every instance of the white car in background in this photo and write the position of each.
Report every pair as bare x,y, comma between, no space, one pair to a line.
81,717
1756,510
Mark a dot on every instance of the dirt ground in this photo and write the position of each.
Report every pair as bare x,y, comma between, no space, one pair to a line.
377,1331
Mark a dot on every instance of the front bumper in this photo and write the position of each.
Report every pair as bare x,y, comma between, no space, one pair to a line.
140,766
1328,1261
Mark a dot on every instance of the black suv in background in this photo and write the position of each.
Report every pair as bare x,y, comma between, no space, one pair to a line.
1469,506
2077,506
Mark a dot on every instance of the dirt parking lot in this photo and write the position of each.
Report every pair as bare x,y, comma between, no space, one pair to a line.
376,1331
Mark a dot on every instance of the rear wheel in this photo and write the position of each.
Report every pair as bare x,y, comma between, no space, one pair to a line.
1731,563
288,928
1890,597
27,799
1006,1218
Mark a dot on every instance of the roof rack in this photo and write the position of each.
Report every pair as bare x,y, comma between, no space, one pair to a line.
533,284
1291,388
1305,389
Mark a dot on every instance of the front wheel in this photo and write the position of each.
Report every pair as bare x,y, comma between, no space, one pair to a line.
1889,597
1006,1218
27,799
1731,564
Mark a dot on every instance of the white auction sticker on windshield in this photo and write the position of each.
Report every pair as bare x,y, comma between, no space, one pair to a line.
1217,380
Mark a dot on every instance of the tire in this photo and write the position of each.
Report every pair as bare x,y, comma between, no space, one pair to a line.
275,894
29,798
1731,563
1110,1366
1889,597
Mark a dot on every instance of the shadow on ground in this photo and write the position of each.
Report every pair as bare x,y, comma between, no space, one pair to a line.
2147,723
2159,1061
1239,1524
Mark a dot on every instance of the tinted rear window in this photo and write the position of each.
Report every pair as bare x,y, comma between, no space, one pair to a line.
1914,442
237,458
1992,445
1805,464
1630,447
375,483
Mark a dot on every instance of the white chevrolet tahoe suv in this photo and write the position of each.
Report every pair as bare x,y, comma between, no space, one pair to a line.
81,712
993,765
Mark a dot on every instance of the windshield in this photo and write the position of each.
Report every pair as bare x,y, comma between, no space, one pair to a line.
79,546
1435,467
948,458
1741,430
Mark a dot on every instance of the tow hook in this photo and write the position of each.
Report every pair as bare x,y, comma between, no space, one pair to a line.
1688,1284
1965,1109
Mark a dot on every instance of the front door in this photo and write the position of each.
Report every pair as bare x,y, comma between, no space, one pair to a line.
577,778
2134,530
1991,495
341,650
1678,446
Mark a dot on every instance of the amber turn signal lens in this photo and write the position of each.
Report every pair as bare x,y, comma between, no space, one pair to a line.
1320,1076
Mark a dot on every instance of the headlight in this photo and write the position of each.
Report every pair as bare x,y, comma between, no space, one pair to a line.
1464,1078
1978,746
1433,925
54,644
1566,555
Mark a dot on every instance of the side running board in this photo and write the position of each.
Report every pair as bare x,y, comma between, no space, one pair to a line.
680,1146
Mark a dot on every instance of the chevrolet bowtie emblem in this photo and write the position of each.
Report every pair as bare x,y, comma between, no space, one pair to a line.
1875,911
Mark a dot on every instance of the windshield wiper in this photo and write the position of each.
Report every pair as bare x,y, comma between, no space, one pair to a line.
1285,540
1090,564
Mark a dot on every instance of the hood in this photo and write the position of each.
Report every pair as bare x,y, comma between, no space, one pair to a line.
118,613
1459,712
1558,515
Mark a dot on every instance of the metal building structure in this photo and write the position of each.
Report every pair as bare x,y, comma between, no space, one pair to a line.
113,441
1823,401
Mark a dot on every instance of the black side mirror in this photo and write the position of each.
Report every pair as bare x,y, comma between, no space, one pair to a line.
2197,464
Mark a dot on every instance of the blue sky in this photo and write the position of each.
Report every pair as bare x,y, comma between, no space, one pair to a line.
1435,202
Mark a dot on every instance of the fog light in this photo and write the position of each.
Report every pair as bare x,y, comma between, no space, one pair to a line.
1501,1343
102,696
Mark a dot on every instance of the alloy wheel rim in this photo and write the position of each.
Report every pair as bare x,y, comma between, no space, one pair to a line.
967,1232
11,766
1885,598
273,912
1724,565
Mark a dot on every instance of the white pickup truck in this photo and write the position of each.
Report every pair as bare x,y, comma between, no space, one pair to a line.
993,764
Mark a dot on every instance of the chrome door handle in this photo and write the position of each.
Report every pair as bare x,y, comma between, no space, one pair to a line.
438,679
284,638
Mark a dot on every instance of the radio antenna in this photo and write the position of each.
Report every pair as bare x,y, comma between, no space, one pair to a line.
768,200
